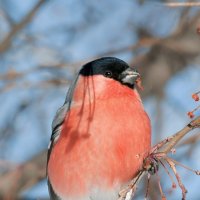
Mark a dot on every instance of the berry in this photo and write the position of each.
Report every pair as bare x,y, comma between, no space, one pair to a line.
195,97
190,114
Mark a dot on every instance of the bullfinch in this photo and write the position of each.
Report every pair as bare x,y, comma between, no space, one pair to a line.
100,135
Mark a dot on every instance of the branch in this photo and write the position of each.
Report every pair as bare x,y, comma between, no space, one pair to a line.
23,177
5,44
182,4
158,152
8,18
174,139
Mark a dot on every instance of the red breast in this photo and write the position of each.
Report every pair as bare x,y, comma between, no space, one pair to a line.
103,140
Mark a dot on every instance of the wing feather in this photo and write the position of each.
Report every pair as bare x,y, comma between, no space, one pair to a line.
56,130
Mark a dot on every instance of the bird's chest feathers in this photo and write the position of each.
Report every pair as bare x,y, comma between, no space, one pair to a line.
97,98
104,117
103,133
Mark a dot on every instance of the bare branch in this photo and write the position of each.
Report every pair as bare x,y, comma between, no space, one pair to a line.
182,4
174,139
157,153
22,177
5,44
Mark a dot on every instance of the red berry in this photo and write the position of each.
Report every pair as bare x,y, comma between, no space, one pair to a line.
190,114
195,97
174,185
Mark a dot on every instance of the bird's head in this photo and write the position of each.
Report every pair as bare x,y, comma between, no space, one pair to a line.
105,78
111,68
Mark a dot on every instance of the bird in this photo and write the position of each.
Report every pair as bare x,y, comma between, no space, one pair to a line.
100,135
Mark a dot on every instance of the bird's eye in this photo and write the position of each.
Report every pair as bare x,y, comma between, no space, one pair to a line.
108,74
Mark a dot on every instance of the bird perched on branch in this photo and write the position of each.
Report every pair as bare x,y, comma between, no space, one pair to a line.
100,135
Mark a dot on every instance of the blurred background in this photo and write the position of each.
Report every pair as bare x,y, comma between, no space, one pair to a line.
44,42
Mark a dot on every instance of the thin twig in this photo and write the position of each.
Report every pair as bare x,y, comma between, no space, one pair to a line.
160,187
22,177
5,44
172,166
168,173
182,4
148,184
